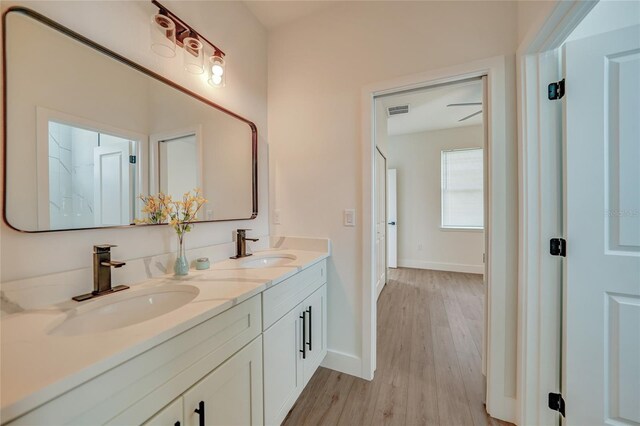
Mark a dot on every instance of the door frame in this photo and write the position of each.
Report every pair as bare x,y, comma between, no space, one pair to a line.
501,275
386,241
539,283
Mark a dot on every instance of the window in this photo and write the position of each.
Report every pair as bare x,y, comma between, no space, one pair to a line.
462,181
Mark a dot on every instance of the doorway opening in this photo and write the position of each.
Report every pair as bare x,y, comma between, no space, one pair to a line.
434,179
430,242
499,348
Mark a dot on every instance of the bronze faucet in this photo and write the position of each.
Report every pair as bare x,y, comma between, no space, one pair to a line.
241,243
102,265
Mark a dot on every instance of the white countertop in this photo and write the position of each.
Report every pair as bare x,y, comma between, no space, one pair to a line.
37,367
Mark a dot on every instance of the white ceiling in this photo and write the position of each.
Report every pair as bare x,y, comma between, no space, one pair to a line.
428,108
274,13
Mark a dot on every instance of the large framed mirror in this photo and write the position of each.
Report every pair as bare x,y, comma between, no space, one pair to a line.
88,132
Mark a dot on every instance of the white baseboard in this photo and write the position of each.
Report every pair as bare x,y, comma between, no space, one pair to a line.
379,289
504,409
441,266
344,363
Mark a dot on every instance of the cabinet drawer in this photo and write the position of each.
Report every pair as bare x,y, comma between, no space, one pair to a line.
141,386
283,297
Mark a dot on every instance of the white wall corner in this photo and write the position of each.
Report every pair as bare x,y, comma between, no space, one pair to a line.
344,363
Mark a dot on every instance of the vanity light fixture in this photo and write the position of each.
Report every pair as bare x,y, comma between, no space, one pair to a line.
169,31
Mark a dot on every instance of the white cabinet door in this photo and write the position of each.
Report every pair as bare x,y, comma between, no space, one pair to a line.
601,363
283,376
231,394
171,415
315,312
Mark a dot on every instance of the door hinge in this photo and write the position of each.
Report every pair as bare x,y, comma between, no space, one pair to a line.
556,402
558,247
132,159
556,90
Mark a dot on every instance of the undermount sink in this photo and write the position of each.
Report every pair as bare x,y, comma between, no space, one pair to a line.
268,261
123,309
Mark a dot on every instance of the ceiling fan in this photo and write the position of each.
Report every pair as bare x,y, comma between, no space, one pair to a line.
467,104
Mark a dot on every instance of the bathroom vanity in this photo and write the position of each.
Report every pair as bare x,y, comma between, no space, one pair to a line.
235,344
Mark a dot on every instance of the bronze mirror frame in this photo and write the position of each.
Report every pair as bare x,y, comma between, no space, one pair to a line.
90,43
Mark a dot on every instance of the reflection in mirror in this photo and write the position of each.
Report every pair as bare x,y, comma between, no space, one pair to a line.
178,165
90,135
92,175
177,159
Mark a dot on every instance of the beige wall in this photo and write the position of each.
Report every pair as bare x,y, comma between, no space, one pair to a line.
124,27
531,14
318,67
422,243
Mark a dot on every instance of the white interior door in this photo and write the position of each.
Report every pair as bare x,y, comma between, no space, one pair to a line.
392,219
111,184
601,362
381,222
178,171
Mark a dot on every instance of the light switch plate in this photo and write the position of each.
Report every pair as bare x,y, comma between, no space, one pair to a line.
349,217
276,217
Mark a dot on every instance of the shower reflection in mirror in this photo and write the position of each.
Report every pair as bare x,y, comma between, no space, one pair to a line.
91,176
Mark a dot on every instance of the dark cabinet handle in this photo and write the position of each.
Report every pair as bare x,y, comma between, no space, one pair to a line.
304,335
310,328
200,411
392,223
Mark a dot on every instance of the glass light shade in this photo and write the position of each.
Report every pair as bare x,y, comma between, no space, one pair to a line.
163,36
193,55
217,75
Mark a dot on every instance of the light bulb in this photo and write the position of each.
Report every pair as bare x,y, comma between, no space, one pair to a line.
217,65
217,69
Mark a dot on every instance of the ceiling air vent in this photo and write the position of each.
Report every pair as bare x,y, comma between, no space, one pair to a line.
397,110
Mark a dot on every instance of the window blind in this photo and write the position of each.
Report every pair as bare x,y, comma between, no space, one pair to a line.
462,189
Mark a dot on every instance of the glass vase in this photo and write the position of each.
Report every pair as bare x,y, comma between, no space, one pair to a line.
181,266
